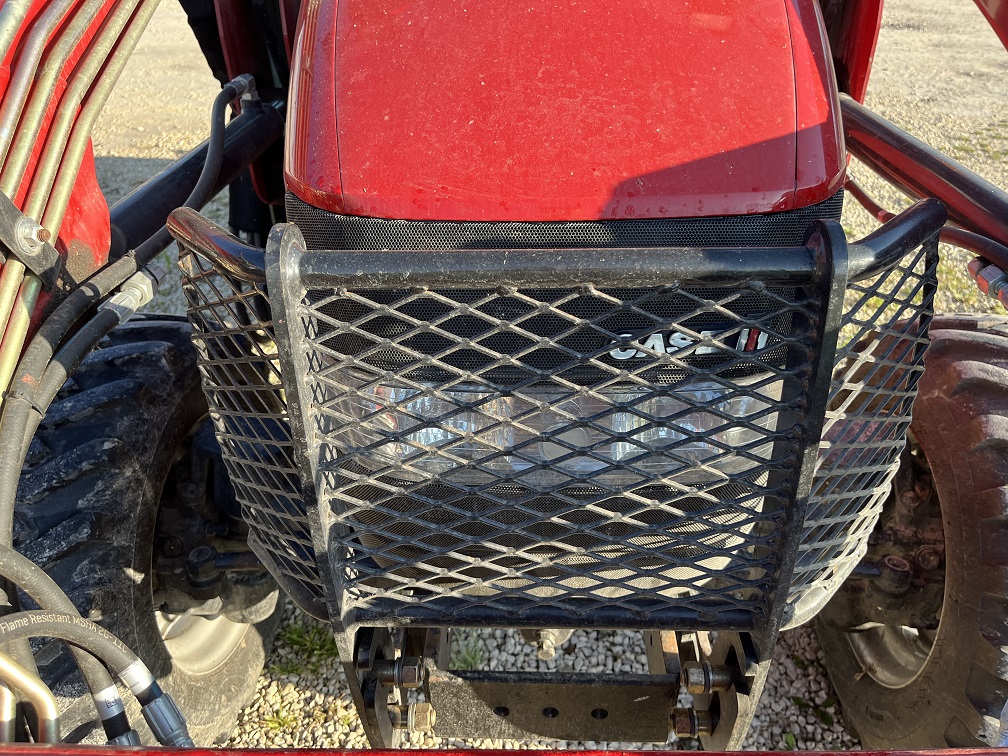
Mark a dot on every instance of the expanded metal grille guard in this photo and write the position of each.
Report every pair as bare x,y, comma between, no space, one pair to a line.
541,454
236,345
879,361
649,572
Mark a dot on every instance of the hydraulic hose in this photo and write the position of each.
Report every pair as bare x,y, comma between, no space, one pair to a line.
38,381
12,15
14,158
42,589
30,54
69,358
61,157
38,695
84,634
8,714
163,717
15,421
992,251
17,327
55,187
215,149
16,94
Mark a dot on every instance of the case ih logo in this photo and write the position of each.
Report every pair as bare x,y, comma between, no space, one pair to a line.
749,340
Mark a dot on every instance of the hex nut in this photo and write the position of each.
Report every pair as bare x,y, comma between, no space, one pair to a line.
696,680
928,558
991,279
422,717
691,723
410,672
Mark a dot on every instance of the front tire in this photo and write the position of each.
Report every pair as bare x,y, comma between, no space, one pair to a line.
900,688
87,513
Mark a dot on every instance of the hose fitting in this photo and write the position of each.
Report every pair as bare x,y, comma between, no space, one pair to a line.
166,722
131,738
244,85
135,292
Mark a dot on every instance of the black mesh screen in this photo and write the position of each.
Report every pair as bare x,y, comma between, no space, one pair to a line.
325,230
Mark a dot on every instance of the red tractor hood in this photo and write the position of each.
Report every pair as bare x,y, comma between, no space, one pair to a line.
562,109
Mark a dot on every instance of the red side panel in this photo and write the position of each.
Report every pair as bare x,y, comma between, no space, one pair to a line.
84,236
996,12
854,38
560,110
311,153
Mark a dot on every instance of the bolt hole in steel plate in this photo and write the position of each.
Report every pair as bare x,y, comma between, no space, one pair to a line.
501,711
599,713
551,713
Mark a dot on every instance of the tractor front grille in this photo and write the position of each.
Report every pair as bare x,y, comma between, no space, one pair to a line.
611,453
236,345
482,450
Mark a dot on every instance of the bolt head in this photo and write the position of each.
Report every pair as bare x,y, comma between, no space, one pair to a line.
928,559
696,681
547,649
411,673
422,717
682,723
990,279
171,546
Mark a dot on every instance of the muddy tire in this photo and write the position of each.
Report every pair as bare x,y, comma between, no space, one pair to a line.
87,508
955,694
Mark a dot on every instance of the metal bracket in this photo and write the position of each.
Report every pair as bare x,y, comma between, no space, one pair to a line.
26,241
562,706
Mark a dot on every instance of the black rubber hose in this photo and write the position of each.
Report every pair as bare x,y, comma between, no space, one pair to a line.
80,632
105,281
204,188
42,589
23,413
69,358
21,399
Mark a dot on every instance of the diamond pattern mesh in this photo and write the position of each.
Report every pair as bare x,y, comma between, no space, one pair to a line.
234,338
879,360
513,452
448,494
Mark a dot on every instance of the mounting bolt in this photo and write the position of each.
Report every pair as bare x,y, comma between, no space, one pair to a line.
414,717
32,234
928,558
704,677
171,546
546,644
405,672
991,279
690,723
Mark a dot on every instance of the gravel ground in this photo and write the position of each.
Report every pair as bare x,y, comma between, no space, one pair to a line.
939,72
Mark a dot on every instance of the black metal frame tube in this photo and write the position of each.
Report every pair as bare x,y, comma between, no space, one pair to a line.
139,215
921,171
